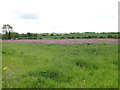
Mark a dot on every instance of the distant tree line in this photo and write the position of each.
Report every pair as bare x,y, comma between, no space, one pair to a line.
8,33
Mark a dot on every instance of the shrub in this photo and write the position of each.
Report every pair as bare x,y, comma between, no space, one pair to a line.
73,37
30,37
101,37
118,37
19,37
78,37
62,37
11,38
24,38
110,36
115,37
89,36
56,37
35,37
94,36
43,35
85,37
69,37
40,37
52,34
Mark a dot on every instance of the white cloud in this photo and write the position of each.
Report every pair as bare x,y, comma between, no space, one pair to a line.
39,16
26,15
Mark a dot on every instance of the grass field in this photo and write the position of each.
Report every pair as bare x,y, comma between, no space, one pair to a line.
35,65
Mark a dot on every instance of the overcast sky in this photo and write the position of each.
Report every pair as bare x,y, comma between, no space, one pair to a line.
60,16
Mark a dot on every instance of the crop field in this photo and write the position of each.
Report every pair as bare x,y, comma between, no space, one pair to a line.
65,41
55,65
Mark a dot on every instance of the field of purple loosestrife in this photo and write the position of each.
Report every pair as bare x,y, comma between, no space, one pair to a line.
65,41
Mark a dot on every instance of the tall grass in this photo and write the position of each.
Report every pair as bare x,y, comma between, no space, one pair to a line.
34,65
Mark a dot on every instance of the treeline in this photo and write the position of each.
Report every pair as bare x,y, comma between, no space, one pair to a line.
8,33
76,35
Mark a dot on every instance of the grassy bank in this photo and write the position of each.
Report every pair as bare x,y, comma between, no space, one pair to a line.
35,65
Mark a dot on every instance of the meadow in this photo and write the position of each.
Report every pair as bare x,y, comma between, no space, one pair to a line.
40,65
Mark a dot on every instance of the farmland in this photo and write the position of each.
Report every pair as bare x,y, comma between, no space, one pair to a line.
54,65
65,41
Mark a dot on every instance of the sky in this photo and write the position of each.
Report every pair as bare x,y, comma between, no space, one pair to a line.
60,16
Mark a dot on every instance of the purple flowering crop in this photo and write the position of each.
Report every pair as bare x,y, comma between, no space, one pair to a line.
65,41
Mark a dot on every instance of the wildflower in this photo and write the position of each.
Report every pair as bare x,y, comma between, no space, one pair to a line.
4,68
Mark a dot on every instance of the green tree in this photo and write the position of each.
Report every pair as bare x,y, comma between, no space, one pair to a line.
7,28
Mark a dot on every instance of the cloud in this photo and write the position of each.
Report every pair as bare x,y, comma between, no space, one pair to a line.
104,16
55,27
29,16
26,15
37,23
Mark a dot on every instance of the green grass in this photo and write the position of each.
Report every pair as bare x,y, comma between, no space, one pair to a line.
35,65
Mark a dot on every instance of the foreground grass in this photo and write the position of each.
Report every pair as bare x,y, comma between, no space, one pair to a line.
35,65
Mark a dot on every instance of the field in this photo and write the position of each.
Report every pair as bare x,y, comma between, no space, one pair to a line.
65,41
42,65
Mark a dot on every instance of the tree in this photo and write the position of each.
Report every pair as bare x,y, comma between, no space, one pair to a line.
7,28
29,34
